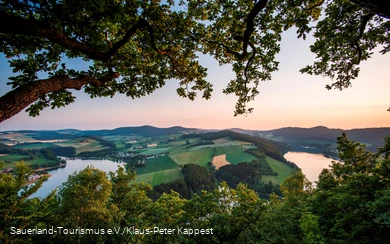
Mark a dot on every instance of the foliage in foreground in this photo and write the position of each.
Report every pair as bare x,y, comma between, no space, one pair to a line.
134,47
349,205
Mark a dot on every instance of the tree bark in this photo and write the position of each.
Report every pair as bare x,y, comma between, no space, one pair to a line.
16,100
380,7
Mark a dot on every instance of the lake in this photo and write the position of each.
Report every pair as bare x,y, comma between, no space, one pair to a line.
310,163
61,175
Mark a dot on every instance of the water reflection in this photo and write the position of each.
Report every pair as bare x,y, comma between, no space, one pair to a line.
61,175
310,163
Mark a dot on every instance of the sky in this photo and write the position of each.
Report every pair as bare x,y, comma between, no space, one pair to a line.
289,99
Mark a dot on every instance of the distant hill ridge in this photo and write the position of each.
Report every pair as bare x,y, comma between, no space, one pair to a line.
145,130
373,136
324,133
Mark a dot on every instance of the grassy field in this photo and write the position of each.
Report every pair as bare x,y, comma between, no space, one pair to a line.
156,178
228,149
157,164
36,145
12,157
71,143
82,145
234,154
95,146
235,158
166,176
282,169
225,142
199,157
16,137
153,151
17,158
120,145
249,147
177,146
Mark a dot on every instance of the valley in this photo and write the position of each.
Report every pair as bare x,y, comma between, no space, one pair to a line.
158,158
157,155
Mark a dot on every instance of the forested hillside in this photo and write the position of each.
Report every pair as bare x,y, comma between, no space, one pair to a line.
271,148
371,136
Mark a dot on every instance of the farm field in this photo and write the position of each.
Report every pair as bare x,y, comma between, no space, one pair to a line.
19,137
199,157
82,145
166,176
159,177
219,161
153,151
120,145
35,145
234,154
282,169
224,142
11,157
157,164
17,158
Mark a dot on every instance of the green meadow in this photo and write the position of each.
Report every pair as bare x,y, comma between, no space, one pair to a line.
282,169
157,164
199,157
18,158
156,178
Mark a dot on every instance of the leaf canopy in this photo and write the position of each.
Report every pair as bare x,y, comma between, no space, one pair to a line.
135,47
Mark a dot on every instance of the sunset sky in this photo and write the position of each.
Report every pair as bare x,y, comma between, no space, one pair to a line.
289,99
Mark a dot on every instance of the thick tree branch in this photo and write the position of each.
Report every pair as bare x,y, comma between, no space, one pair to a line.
16,100
363,25
250,26
46,30
380,7
130,32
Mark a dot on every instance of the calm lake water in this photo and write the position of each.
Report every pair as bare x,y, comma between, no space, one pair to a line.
310,163
61,175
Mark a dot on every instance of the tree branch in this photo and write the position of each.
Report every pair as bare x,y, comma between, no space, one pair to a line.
129,33
363,25
250,25
16,100
153,44
380,7
226,48
260,5
44,29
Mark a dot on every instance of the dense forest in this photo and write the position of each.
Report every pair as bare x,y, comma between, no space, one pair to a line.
196,180
350,204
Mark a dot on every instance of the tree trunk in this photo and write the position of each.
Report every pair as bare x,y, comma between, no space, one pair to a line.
380,7
16,100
